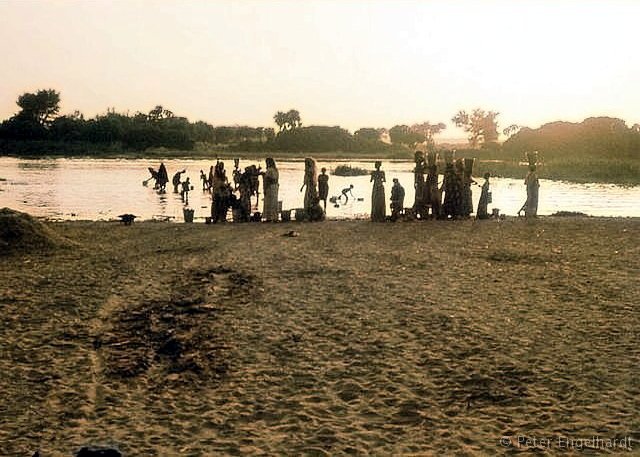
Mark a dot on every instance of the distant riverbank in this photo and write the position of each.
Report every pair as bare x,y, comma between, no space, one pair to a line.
574,168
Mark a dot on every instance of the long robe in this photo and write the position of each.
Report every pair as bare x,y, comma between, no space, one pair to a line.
483,203
432,193
271,186
531,207
311,191
452,205
378,206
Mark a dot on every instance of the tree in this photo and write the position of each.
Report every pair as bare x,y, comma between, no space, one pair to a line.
427,130
39,107
481,126
288,121
367,133
511,130
280,120
159,113
402,134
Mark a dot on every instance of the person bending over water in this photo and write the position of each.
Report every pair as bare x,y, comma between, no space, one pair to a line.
345,193
176,181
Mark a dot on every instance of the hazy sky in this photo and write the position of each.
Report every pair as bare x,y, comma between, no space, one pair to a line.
350,63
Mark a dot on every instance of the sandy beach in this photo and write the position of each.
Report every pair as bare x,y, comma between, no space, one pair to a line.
432,338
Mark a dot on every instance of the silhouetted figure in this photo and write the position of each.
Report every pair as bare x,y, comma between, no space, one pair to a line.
378,205
485,199
211,176
419,205
255,182
533,184
310,182
236,173
397,199
315,212
271,179
323,187
432,193
345,193
176,181
186,187
221,193
452,187
154,176
244,188
205,180
163,178
467,180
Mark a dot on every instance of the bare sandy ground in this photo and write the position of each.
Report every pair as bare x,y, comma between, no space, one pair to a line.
433,338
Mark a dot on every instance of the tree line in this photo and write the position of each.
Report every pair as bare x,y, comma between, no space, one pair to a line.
38,123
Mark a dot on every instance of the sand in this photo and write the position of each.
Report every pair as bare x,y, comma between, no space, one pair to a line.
434,338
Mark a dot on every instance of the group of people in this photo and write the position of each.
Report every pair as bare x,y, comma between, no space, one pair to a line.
456,187
236,194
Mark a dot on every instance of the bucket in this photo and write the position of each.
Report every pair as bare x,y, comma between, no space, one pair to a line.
286,215
188,214
300,214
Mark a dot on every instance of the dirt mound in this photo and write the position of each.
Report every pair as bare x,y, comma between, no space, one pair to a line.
19,232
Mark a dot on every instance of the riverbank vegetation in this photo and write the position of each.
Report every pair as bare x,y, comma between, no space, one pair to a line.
348,170
599,149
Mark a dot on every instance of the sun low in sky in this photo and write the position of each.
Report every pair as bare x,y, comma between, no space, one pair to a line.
348,63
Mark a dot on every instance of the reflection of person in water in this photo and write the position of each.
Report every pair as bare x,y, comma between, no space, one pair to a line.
345,193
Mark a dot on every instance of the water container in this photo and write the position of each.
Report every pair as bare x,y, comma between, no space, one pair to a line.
301,214
188,214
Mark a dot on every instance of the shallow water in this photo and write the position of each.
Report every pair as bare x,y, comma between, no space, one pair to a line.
91,189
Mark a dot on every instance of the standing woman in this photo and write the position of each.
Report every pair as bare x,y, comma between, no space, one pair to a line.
163,177
271,178
419,205
220,190
323,187
432,192
378,207
311,183
485,199
531,181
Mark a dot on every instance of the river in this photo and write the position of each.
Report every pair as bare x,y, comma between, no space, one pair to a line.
96,189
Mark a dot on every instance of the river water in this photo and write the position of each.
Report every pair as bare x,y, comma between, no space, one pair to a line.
90,189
